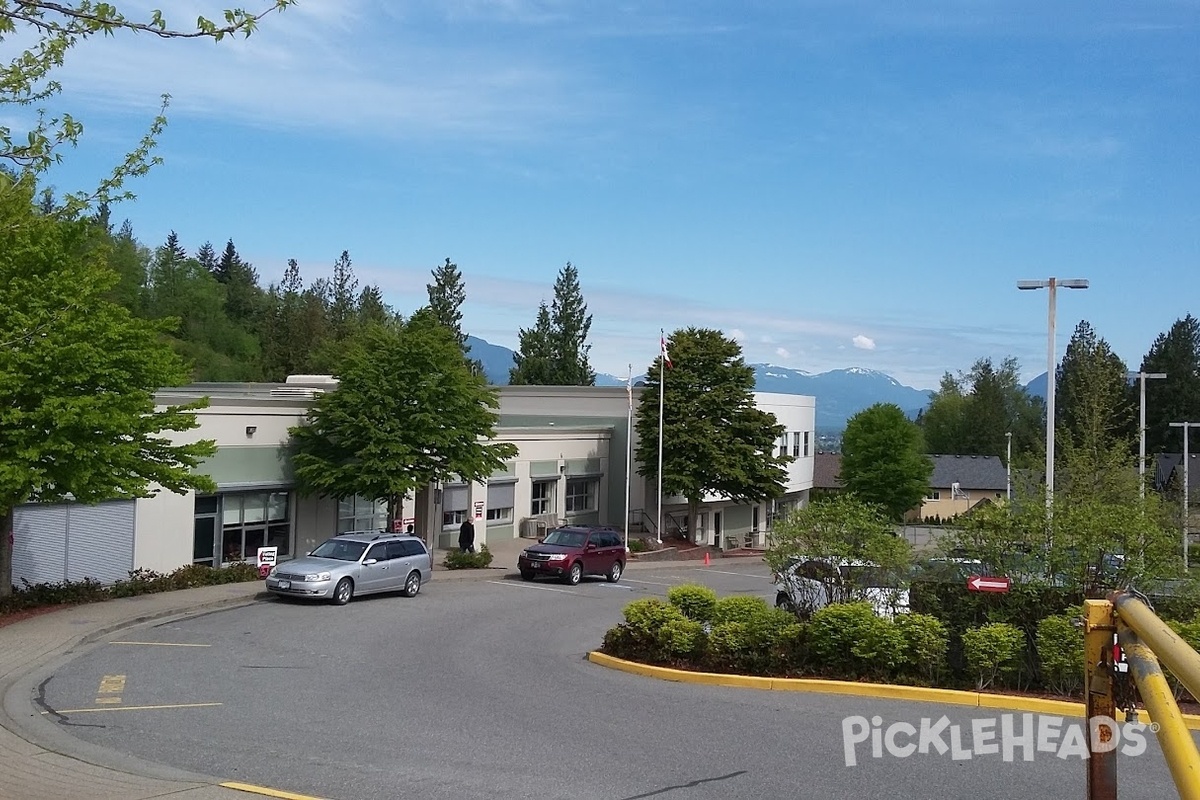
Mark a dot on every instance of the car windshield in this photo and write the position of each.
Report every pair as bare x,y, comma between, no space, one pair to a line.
342,551
566,538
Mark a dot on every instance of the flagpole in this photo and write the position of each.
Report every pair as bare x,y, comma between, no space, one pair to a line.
628,452
662,379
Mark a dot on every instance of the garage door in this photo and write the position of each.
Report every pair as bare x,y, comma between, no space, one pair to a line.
67,541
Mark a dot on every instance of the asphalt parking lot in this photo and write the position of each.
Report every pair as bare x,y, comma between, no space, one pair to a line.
479,689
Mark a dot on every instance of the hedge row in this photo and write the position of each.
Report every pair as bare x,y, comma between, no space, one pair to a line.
140,581
694,629
457,559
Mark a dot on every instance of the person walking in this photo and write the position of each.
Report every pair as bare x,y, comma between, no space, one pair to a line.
466,537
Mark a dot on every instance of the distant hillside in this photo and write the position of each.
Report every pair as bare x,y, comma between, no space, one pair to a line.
840,393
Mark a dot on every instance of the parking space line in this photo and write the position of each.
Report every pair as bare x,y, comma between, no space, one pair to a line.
164,644
266,792
132,708
722,572
526,586
648,583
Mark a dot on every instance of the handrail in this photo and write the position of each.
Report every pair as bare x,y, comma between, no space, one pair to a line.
1182,660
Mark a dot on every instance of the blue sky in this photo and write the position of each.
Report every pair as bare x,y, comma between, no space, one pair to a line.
836,183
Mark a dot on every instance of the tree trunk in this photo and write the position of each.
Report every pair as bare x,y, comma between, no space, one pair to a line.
6,550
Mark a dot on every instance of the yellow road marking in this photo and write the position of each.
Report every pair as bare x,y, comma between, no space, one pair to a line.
112,701
112,684
163,644
132,708
263,790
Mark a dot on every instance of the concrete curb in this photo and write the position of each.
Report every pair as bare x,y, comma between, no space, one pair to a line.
879,691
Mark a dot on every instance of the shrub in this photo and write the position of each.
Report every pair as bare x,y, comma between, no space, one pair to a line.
140,581
1060,654
653,633
993,651
456,559
681,640
848,640
926,642
638,546
789,656
739,608
728,647
696,602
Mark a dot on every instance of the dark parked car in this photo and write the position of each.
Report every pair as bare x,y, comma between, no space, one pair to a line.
574,551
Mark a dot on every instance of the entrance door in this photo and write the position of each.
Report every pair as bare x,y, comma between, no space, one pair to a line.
717,528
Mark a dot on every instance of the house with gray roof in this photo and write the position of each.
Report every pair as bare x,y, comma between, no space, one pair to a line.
960,483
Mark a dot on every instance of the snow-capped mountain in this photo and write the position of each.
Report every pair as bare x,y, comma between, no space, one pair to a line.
840,393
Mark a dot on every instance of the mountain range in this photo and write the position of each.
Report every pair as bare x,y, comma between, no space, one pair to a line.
840,393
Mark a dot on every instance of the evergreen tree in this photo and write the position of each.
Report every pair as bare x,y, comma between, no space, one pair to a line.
715,439
1092,409
371,307
343,297
243,296
446,296
533,362
970,414
207,257
1175,398
570,323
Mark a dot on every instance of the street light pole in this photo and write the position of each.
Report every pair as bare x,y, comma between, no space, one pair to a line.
1052,285
1186,500
1142,378
1008,468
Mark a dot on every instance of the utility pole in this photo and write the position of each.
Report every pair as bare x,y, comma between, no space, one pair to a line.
1008,468
1142,378
1186,476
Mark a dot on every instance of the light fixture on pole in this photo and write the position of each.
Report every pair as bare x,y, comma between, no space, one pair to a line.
1052,284
1008,468
1142,377
1186,477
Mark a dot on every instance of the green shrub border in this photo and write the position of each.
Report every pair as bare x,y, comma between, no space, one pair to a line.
140,581
457,559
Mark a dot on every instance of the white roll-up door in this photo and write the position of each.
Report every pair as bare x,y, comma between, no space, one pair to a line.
70,541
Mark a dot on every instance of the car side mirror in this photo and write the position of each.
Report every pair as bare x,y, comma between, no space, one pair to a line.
541,539
591,546
370,561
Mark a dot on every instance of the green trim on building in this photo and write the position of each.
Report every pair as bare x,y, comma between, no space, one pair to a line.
509,470
583,466
543,469
248,465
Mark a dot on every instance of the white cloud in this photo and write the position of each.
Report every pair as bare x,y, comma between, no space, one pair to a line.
864,342
737,334
782,352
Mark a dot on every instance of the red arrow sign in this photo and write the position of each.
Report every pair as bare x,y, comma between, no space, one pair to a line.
979,583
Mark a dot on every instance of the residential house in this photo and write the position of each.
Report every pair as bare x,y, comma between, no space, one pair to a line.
960,483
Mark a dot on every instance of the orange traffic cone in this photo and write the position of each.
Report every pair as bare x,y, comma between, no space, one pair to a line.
707,562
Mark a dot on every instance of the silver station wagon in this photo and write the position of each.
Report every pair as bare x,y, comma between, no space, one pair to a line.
359,562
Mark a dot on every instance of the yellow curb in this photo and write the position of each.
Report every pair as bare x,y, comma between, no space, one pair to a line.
885,691
263,790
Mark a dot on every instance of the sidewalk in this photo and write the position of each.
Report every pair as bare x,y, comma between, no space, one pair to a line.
41,760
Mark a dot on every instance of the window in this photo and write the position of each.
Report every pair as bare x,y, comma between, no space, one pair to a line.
543,498
796,444
361,514
581,495
454,505
249,520
934,494
378,552
783,445
806,444
501,498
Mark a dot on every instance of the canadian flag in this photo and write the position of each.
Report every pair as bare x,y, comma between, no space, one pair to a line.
666,358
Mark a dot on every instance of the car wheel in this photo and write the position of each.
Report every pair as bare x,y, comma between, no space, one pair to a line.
614,572
575,574
526,575
343,592
782,600
412,584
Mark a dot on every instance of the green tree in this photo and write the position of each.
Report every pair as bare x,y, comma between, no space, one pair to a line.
78,373
207,257
883,460
47,32
407,412
447,293
371,307
533,362
1094,417
243,296
1175,398
971,413
571,324
715,439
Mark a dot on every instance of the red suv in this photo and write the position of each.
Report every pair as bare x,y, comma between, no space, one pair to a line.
574,551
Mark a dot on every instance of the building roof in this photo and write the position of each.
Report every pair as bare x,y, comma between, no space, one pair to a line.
1165,466
969,472
827,468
